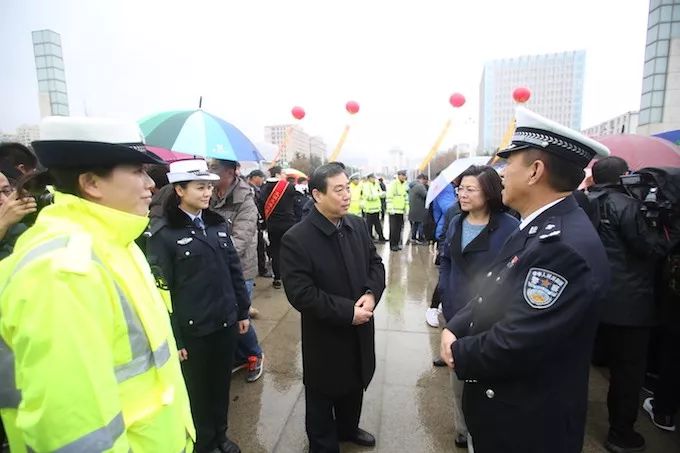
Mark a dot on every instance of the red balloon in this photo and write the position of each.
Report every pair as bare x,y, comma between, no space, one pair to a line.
352,107
457,100
298,112
521,94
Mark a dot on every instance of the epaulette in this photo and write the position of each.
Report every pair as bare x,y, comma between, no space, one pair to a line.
77,256
551,230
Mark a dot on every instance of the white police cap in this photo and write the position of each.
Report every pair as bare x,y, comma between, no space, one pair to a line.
537,132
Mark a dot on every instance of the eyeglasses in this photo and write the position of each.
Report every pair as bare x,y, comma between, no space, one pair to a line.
470,190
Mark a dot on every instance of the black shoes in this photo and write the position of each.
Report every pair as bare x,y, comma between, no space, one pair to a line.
394,249
439,363
361,437
624,443
276,284
664,422
229,447
461,441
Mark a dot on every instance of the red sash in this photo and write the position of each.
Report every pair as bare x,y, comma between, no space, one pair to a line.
274,198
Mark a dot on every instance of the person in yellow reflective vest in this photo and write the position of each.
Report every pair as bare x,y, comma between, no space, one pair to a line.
87,357
397,207
355,191
371,197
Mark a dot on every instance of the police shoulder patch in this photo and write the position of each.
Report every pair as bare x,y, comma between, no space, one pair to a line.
543,287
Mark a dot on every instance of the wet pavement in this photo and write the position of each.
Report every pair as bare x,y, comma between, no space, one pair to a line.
408,404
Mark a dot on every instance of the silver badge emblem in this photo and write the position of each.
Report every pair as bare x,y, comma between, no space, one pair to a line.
184,241
543,287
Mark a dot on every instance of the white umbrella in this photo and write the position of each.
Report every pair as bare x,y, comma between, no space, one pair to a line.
450,173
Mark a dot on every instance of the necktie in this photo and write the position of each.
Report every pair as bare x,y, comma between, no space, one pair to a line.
199,224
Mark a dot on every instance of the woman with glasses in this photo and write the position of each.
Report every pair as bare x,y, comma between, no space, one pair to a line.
473,239
192,247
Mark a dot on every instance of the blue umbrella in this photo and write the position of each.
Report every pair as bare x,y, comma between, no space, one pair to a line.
198,133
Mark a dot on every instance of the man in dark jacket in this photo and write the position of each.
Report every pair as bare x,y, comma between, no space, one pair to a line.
629,313
334,277
277,203
523,343
417,195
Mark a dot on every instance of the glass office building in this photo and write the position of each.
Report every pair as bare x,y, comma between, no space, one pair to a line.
49,65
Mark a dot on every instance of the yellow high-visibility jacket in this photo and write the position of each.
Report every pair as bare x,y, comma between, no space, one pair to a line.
397,197
92,362
355,203
371,195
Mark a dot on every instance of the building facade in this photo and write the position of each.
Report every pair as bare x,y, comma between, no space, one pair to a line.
298,142
49,65
622,124
660,100
556,84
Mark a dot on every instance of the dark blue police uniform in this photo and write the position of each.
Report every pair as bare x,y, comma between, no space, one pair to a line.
524,343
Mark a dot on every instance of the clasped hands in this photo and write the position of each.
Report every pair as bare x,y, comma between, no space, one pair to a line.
363,309
448,338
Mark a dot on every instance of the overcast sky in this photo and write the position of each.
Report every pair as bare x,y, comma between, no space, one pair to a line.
254,60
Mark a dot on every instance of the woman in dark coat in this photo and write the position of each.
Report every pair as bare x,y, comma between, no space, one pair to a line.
473,239
191,246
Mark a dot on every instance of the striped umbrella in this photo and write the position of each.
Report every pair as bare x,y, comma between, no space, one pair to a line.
198,133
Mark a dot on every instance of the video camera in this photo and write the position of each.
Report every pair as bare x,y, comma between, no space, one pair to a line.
659,191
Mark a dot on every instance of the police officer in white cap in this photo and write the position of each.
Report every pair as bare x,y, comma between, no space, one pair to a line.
87,356
523,344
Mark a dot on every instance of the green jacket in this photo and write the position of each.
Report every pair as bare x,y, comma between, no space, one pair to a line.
397,197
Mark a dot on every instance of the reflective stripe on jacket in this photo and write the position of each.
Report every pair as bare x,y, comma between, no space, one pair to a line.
371,195
397,197
87,333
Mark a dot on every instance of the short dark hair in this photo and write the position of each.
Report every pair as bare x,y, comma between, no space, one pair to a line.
275,170
65,180
490,183
16,154
256,173
227,164
609,169
319,179
159,174
422,176
563,174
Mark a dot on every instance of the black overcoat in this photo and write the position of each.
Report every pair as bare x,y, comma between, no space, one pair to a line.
325,270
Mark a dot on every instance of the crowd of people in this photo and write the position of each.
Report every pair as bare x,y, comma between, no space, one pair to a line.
127,288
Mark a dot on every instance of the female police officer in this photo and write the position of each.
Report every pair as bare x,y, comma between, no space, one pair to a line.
192,247
87,358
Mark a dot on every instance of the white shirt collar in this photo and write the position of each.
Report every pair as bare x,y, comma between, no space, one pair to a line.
531,217
191,216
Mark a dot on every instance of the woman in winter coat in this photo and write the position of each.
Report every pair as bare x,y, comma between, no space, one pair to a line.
200,266
473,239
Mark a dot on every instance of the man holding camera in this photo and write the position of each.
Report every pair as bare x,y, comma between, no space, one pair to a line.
633,249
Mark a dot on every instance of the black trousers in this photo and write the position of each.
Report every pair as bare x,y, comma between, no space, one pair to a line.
667,392
396,225
329,420
261,253
276,233
207,373
626,350
373,220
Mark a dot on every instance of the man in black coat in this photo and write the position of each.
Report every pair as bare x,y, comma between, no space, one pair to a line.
333,276
633,249
277,207
523,344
